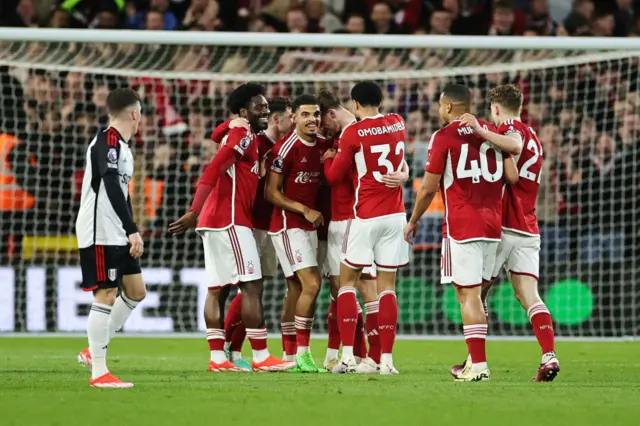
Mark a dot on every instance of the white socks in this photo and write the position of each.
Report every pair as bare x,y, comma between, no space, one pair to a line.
331,354
347,352
98,334
303,350
120,312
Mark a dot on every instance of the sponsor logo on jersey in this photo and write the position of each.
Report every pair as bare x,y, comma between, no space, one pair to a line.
245,142
112,274
307,177
278,165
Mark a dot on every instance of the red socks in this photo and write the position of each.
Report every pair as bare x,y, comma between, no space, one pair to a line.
332,326
303,331
234,329
257,338
288,330
215,339
360,343
542,327
476,337
373,336
387,320
347,315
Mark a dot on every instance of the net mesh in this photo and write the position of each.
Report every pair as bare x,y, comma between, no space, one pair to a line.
585,107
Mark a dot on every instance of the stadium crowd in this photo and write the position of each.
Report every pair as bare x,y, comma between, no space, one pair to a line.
587,116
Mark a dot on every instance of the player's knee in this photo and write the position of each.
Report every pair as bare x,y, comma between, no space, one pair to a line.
106,296
137,293
252,289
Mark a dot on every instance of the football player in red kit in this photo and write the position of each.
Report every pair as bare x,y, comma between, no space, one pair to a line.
519,248
221,212
469,173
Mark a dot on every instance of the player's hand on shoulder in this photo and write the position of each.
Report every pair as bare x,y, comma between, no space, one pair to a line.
136,248
410,232
395,179
470,120
314,217
330,153
239,122
186,222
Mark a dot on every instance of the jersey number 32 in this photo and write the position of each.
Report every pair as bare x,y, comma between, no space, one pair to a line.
384,163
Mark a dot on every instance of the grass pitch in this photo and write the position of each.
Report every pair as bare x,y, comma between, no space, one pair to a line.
41,384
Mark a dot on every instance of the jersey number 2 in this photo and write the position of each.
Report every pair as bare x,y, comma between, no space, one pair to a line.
384,151
474,172
524,170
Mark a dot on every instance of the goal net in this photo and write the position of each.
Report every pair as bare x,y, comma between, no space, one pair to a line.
584,105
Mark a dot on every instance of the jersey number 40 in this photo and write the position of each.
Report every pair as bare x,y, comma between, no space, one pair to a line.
474,171
384,162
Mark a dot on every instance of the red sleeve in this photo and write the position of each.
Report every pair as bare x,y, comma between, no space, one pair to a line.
224,159
437,158
508,129
219,132
335,169
281,164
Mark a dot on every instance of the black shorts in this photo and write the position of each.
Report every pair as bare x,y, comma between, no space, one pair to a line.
104,266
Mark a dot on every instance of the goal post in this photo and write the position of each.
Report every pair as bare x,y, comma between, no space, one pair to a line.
582,97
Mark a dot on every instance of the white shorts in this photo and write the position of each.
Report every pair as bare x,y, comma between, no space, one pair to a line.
519,254
467,264
336,250
377,241
230,256
268,259
296,249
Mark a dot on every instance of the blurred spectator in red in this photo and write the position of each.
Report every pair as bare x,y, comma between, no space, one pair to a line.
382,20
355,24
140,19
506,20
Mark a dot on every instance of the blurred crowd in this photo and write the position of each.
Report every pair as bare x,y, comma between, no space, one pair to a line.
587,116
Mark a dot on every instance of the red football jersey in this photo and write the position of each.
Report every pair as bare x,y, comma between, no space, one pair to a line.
299,162
342,193
471,184
519,201
231,201
375,146
262,208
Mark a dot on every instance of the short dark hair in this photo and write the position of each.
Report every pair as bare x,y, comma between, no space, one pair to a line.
507,95
327,101
457,93
504,5
367,94
120,99
303,100
243,94
279,104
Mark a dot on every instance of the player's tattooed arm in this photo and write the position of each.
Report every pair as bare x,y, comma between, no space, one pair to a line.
511,175
511,143
427,191
274,195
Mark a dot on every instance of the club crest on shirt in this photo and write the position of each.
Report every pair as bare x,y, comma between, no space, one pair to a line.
112,274
112,155
245,142
278,164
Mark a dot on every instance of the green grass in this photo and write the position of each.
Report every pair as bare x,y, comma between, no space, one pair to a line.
41,384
